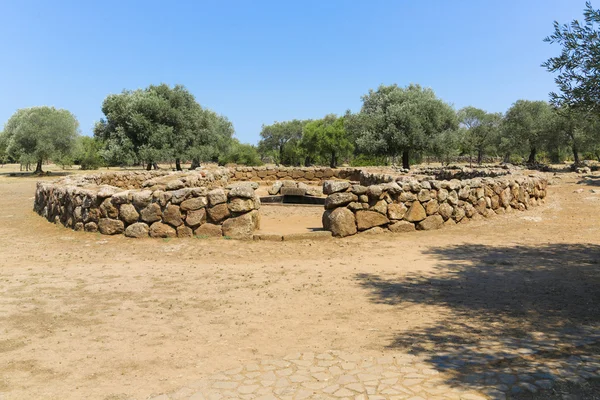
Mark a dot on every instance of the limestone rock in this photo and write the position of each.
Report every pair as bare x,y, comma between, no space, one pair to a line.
380,207
331,187
430,223
339,199
241,227
358,189
184,231
160,230
377,230
142,199
415,213
401,226
137,230
458,214
368,219
219,212
273,190
210,230
128,213
355,206
432,207
374,191
424,195
109,226
453,198
175,184
243,191
396,210
178,196
195,203
216,196
91,227
151,213
172,215
442,195
340,222
108,210
196,217
445,210
241,205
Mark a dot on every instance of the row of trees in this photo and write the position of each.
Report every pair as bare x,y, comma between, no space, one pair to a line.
411,122
161,123
144,126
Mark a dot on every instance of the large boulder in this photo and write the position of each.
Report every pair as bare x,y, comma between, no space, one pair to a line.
241,205
184,231
396,210
108,209
109,226
172,215
244,191
340,222
401,226
137,230
210,230
160,230
142,199
430,223
415,213
368,219
241,227
219,212
432,207
445,210
151,213
339,199
216,196
195,203
273,190
128,213
331,187
196,217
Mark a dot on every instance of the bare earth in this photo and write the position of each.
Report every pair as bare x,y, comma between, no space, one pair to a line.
89,316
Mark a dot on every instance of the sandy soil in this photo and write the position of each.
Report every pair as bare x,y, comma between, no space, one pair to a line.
89,316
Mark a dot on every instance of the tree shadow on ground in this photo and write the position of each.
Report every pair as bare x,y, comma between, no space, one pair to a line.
590,180
510,311
27,174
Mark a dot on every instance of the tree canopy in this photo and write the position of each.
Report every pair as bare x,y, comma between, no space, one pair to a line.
395,120
39,134
481,130
159,123
578,75
526,127
281,141
327,139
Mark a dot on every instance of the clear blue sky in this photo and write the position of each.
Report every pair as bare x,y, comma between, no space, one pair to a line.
262,61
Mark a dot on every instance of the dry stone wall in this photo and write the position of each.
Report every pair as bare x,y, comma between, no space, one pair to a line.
299,174
161,209
402,206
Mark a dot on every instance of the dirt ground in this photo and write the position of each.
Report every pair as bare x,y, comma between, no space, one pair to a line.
84,315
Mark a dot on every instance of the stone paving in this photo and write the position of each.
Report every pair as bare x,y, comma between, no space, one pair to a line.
519,366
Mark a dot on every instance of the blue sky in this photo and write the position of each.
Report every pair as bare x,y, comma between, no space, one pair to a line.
257,62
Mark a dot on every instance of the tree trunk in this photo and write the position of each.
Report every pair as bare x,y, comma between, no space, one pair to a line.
38,168
149,167
575,154
195,164
532,154
178,164
405,159
332,162
479,157
280,155
155,165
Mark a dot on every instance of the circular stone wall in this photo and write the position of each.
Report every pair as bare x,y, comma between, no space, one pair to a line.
220,203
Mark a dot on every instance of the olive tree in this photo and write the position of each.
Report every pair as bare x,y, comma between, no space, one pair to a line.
40,134
326,139
395,120
481,130
526,126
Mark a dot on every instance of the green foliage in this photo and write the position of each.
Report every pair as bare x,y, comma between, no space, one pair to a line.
40,133
396,120
481,131
3,144
578,75
241,154
88,153
281,141
525,128
365,160
160,123
446,146
326,139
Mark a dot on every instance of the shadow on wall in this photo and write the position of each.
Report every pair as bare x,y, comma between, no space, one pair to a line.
510,310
